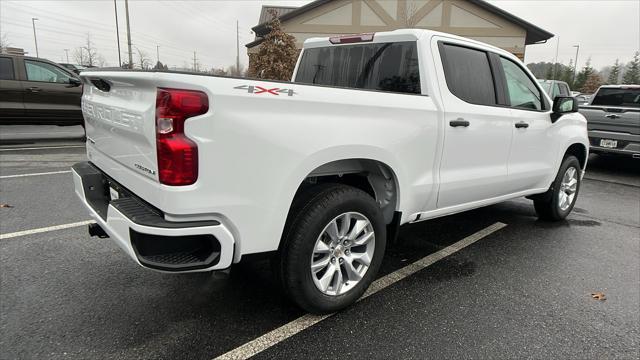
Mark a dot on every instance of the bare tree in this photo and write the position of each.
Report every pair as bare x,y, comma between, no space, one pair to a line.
407,15
219,71
79,56
87,55
232,71
4,42
143,59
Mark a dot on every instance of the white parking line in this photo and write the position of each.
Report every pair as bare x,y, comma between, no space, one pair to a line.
284,332
35,174
44,229
42,147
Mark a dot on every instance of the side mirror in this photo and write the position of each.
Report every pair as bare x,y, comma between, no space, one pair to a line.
563,105
74,82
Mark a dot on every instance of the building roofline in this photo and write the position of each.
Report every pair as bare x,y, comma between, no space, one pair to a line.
535,34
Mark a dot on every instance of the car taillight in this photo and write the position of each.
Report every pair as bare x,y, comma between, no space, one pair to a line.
177,154
350,39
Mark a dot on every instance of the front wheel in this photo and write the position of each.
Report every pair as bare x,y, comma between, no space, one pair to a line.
558,202
332,247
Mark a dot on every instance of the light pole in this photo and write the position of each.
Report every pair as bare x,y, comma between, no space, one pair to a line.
555,63
158,54
115,7
67,52
35,38
126,9
575,64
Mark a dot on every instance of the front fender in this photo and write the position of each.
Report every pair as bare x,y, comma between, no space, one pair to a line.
568,130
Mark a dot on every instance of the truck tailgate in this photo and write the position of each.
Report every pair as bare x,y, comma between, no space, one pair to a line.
119,112
613,119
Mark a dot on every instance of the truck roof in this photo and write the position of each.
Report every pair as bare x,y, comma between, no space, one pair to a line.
400,35
622,86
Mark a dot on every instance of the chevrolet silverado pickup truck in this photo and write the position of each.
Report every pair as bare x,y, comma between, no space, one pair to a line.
613,120
191,172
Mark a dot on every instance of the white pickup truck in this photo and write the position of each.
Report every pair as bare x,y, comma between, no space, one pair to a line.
190,172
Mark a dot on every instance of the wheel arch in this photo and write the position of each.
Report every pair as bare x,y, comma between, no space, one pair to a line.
579,150
374,177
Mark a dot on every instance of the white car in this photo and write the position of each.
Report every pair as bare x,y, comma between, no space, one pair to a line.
192,172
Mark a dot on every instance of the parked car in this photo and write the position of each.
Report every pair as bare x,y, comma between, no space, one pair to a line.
38,91
555,88
191,172
613,119
74,67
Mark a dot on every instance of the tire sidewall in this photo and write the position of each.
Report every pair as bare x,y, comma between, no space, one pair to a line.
570,161
300,271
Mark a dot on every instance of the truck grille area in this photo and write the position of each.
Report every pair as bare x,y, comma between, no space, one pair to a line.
176,253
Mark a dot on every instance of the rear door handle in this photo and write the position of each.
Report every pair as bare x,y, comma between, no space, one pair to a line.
522,124
459,122
612,116
33,89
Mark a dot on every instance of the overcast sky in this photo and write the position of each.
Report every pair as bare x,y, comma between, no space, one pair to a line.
604,29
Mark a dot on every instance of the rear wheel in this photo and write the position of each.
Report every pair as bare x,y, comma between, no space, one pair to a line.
558,202
332,247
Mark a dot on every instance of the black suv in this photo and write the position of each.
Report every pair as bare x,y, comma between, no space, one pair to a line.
38,91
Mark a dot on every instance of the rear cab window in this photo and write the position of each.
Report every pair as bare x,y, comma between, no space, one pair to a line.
391,67
468,74
623,97
6,69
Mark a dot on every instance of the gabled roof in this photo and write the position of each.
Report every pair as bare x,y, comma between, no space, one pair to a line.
265,15
535,34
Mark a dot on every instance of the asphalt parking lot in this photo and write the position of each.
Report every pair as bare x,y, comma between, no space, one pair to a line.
523,290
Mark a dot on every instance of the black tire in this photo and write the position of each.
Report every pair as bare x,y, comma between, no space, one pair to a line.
311,211
547,205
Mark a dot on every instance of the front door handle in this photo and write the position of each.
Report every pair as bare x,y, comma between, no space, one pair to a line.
33,89
612,116
521,125
459,122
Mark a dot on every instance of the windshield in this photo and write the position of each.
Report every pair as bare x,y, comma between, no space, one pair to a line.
617,97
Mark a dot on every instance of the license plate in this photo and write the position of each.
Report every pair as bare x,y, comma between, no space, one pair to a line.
113,193
608,143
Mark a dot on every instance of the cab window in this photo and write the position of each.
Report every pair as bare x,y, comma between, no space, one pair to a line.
40,71
560,89
521,90
391,67
6,69
468,74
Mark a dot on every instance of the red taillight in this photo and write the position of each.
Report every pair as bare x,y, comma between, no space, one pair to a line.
350,39
177,154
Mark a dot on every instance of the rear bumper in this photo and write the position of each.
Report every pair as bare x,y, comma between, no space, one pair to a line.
143,233
628,144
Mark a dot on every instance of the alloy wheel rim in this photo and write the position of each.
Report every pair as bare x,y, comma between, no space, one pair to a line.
568,188
342,253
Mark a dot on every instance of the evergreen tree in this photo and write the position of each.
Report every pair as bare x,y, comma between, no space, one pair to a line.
614,74
549,74
632,74
277,55
567,74
583,75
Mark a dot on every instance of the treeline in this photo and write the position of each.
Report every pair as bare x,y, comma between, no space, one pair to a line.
588,79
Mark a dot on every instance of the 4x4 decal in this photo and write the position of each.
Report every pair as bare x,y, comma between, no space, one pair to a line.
251,89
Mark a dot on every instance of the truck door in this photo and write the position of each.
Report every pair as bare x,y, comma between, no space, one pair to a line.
11,102
477,132
533,151
49,94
